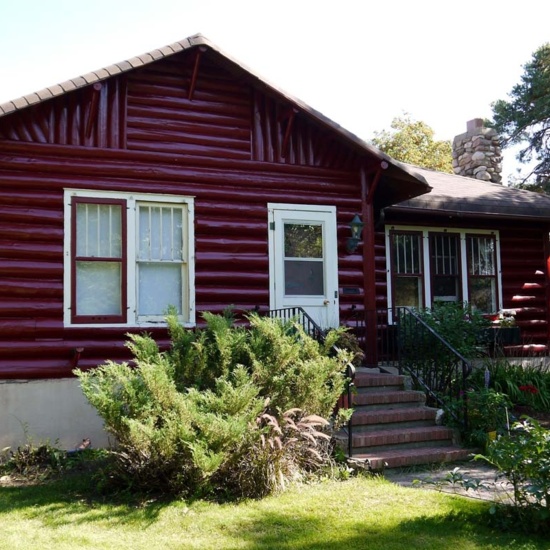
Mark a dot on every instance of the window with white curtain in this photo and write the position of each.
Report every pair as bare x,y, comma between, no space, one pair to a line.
430,265
128,258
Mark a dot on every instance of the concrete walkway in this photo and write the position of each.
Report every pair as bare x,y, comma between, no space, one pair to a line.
440,478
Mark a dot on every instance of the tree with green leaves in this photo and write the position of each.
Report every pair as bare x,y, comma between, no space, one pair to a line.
412,141
524,119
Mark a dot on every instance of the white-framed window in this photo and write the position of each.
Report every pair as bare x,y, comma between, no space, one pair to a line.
430,265
127,258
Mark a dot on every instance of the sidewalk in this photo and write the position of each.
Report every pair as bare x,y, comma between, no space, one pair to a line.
439,478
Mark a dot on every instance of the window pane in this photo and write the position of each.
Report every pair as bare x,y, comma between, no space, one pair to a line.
98,288
445,267
408,291
482,255
98,230
445,254
160,233
304,278
159,286
483,294
445,289
407,254
303,240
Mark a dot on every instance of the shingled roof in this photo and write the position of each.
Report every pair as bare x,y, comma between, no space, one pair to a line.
462,197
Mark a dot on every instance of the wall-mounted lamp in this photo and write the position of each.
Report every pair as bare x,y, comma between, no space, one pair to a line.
356,226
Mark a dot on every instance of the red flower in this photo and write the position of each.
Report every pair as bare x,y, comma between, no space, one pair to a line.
529,388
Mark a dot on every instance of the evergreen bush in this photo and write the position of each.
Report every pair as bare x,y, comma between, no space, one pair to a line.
192,419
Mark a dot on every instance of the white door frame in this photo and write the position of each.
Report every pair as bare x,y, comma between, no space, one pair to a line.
323,309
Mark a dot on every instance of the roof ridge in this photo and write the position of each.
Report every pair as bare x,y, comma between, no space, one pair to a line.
105,72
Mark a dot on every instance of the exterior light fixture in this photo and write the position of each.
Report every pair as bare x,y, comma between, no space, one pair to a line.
356,226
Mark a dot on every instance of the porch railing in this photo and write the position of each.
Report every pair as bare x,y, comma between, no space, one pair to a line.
404,341
312,329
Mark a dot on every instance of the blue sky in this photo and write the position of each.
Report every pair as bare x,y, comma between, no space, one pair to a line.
357,61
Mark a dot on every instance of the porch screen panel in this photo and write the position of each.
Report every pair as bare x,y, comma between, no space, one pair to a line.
482,273
445,267
160,259
407,269
98,259
304,269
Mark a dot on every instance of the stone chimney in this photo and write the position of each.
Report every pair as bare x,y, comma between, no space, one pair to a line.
476,153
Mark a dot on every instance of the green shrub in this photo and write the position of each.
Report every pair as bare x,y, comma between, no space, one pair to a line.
525,385
458,324
34,461
488,414
189,418
524,458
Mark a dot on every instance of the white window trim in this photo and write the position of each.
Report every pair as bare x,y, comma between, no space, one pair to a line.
426,258
132,199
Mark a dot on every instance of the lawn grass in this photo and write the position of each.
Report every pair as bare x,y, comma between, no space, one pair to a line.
357,514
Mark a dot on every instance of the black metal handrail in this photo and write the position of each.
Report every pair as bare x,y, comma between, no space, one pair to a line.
433,363
298,314
404,341
312,329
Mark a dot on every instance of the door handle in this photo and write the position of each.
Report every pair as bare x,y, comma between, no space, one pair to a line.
326,302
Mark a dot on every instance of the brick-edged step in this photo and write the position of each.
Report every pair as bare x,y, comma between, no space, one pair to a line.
365,382
388,399
393,428
422,436
401,458
408,417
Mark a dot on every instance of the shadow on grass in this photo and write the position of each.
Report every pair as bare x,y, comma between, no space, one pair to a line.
75,501
276,523
455,529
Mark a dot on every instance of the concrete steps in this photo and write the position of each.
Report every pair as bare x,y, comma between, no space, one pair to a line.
393,428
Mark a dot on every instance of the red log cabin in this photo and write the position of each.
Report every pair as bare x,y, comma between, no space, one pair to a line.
180,177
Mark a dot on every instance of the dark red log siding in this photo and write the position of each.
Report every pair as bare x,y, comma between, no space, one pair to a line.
524,279
280,135
200,147
215,121
76,118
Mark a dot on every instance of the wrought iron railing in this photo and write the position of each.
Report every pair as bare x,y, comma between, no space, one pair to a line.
404,341
434,365
311,328
299,315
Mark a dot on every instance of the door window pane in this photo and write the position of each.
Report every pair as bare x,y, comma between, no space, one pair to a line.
303,263
304,278
303,240
98,288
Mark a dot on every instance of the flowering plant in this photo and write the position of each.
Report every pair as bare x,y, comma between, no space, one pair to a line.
504,318
529,388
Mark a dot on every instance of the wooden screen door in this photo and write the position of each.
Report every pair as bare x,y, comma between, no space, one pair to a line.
303,260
